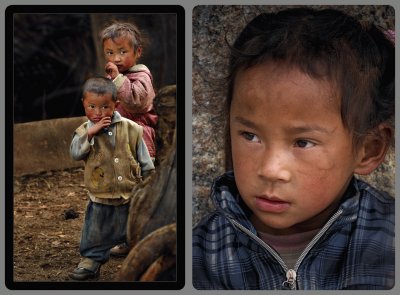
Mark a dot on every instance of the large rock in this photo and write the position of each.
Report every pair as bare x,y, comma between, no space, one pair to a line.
44,145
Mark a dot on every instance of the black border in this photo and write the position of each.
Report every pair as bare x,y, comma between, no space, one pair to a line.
180,150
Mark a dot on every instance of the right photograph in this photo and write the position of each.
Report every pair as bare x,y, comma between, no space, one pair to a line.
293,147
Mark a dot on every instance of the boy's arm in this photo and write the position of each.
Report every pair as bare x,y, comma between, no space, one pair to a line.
135,91
80,146
84,138
143,156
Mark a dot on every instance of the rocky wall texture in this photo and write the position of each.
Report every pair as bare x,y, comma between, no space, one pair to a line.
213,27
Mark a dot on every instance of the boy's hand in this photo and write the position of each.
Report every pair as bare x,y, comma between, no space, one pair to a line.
112,70
103,123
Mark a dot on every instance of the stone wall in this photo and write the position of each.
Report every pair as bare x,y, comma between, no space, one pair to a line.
212,26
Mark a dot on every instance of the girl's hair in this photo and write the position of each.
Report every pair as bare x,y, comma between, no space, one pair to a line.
125,30
101,86
325,44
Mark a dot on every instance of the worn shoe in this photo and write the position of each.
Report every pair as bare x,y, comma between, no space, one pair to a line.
87,269
120,250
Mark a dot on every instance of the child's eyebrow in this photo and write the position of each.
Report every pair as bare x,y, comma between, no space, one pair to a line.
310,128
301,128
244,122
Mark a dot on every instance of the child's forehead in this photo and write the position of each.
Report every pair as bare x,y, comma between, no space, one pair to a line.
259,84
119,40
121,36
287,74
92,95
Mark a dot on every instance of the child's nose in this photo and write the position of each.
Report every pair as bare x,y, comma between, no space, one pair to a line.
274,165
97,111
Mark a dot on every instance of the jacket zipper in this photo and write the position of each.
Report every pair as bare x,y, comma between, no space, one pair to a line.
291,274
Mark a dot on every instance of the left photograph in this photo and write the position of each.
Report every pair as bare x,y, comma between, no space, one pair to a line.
94,100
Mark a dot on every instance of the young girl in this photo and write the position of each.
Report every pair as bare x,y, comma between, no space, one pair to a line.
311,104
122,46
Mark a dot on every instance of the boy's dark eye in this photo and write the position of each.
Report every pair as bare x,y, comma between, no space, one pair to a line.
302,143
250,136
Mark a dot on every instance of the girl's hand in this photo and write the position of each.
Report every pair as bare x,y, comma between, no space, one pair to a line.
103,123
111,70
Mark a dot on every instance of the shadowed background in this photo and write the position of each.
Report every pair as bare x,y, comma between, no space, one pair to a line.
55,53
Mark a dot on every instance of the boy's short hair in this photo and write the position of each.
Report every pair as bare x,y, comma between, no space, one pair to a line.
125,30
100,85
325,44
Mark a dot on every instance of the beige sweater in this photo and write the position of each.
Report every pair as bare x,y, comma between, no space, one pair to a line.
112,172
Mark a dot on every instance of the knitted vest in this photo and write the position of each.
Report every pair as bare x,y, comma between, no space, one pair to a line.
111,172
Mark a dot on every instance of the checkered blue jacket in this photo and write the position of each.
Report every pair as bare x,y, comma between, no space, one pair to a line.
354,250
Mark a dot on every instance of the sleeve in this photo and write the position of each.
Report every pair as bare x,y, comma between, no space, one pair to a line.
143,158
135,91
80,146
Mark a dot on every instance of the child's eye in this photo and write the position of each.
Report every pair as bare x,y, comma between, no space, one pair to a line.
303,143
123,52
250,136
105,107
91,106
109,53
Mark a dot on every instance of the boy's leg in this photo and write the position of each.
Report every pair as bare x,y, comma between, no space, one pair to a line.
102,229
122,249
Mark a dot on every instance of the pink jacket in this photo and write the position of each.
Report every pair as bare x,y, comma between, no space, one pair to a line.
136,95
135,89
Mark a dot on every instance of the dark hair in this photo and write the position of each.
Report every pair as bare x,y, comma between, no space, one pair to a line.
100,85
126,30
325,44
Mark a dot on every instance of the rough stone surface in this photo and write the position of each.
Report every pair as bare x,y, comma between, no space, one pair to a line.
213,26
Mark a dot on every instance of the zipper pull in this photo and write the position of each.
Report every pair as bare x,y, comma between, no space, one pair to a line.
290,283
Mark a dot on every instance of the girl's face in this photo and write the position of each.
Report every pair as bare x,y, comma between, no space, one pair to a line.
292,156
121,53
98,106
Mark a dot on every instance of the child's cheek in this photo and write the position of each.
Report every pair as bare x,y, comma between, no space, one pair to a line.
317,169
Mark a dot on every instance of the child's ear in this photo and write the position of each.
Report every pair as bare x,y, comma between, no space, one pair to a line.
373,149
116,103
139,52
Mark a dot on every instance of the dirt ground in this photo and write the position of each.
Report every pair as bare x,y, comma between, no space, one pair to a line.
49,209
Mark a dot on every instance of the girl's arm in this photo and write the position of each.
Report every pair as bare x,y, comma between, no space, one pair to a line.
135,91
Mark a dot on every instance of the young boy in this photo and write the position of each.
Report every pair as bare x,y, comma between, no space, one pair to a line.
122,46
116,158
311,103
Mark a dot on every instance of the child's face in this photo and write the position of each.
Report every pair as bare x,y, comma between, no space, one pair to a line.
98,106
292,156
121,53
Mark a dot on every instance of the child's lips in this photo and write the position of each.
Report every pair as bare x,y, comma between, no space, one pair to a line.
271,204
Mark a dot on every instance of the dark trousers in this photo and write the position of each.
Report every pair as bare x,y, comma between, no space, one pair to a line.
104,227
